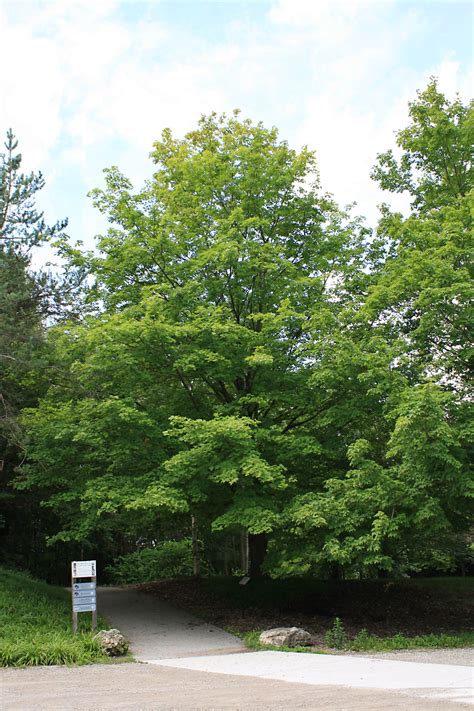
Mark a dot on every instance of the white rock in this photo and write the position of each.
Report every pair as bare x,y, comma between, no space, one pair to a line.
286,637
112,642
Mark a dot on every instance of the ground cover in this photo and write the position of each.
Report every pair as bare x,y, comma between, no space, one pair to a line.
35,625
374,615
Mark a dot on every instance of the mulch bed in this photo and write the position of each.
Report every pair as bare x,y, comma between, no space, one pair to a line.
383,608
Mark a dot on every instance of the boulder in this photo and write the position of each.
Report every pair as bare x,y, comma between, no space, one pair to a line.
112,642
286,637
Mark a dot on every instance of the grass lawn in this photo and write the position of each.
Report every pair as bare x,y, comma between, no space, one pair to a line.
377,615
35,625
365,642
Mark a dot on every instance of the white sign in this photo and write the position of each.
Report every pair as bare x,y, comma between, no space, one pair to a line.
83,569
79,594
84,586
86,607
83,594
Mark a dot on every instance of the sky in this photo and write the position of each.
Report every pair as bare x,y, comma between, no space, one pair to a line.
86,85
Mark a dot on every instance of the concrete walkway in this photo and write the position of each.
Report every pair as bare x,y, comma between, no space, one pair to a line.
444,682
157,630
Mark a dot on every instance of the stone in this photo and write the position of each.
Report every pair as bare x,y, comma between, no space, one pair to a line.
112,642
286,637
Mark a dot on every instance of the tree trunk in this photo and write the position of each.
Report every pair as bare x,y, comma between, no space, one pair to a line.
257,552
226,560
244,551
195,548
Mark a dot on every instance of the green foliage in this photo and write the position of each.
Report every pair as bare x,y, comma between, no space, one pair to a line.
258,362
421,303
26,299
20,222
35,625
337,635
404,503
436,162
378,516
209,278
169,559
365,642
224,451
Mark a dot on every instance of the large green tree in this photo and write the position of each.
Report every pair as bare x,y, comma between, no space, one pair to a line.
210,277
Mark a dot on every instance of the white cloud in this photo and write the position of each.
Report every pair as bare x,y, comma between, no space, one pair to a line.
321,14
355,136
89,89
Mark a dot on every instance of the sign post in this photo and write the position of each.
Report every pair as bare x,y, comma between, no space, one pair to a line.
83,593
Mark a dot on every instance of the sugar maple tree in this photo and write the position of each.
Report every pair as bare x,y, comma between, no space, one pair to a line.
209,276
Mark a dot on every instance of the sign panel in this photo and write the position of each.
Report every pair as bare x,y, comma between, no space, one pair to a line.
83,594
89,607
84,586
83,569
80,594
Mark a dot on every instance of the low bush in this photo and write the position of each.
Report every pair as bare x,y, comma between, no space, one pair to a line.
169,559
336,636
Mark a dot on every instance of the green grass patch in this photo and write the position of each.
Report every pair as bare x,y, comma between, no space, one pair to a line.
35,625
365,642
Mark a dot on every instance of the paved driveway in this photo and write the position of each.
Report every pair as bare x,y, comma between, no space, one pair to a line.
451,683
149,687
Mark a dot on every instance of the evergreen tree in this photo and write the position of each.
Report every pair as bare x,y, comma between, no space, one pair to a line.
25,301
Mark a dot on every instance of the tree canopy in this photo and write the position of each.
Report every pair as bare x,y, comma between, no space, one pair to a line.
257,363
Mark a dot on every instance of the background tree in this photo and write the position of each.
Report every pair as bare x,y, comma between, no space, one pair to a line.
435,167
25,301
406,501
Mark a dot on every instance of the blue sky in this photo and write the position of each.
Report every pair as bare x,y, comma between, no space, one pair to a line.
86,85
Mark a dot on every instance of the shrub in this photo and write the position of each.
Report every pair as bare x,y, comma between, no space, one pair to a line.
169,559
336,636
